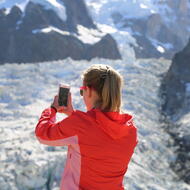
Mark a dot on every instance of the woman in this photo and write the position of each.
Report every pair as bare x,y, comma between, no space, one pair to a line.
100,141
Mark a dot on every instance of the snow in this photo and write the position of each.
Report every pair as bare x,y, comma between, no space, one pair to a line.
89,36
161,46
160,49
18,24
103,13
143,6
50,29
92,36
56,5
107,28
131,9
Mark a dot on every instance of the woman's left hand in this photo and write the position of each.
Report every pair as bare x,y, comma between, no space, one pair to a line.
62,109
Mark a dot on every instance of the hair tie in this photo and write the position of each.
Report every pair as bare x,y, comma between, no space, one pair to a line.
108,70
105,73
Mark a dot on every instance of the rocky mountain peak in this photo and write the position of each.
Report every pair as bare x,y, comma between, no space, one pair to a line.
75,12
41,34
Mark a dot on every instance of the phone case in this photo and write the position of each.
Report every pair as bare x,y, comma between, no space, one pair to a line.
63,94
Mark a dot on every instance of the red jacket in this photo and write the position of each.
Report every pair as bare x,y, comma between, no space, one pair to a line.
100,146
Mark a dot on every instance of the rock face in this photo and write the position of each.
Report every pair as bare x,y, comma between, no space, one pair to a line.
161,33
151,33
77,14
176,81
175,92
107,46
25,37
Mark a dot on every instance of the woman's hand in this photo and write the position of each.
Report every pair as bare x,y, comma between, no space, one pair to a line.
62,109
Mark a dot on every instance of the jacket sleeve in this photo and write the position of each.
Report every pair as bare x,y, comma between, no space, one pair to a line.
56,134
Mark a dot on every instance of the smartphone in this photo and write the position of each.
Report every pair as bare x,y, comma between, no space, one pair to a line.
63,94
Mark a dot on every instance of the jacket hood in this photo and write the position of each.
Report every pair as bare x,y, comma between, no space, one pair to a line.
115,124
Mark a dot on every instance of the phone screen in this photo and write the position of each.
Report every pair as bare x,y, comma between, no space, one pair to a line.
63,96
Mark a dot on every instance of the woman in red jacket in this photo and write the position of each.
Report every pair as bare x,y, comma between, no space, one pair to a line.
100,141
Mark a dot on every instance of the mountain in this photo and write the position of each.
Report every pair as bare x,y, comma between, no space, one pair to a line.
161,160
42,30
160,28
175,91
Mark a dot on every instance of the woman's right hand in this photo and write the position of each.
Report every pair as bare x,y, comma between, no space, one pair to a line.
62,109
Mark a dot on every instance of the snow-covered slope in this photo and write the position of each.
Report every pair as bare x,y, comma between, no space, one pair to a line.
56,5
160,27
102,10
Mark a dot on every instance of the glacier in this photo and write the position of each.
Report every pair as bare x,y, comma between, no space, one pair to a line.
27,89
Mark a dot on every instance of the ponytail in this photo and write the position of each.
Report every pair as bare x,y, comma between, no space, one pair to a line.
107,83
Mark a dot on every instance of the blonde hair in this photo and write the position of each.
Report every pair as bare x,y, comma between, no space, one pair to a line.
107,82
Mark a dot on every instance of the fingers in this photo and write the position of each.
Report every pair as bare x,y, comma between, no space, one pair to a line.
55,97
55,102
69,98
64,109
